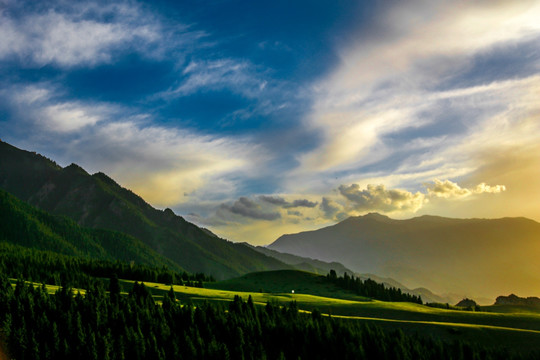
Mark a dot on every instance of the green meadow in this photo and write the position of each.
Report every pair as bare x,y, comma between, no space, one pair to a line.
510,327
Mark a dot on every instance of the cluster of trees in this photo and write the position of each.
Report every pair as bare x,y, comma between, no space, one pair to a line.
56,269
106,325
371,289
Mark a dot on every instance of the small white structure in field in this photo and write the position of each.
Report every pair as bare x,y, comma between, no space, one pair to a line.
293,291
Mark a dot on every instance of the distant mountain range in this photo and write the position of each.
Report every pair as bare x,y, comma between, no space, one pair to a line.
516,300
97,202
470,257
323,267
304,263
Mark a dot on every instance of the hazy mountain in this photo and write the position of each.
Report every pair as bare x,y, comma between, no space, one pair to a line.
97,201
516,300
324,267
304,263
477,257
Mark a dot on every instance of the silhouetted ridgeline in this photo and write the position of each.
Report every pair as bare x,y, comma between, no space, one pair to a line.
516,300
445,255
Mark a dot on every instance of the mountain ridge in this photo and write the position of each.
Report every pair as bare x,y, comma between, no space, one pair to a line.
97,201
446,255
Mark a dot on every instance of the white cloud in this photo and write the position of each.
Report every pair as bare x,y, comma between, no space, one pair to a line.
85,34
68,117
448,189
165,165
378,198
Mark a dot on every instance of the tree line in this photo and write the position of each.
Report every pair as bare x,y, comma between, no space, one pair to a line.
70,271
371,289
103,324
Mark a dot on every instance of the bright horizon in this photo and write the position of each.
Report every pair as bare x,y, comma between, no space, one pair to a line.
256,120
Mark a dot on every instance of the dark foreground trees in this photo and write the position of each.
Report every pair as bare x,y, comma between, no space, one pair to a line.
103,325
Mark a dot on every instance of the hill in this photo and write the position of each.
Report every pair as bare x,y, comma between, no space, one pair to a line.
304,263
323,267
516,300
285,281
24,225
472,257
96,201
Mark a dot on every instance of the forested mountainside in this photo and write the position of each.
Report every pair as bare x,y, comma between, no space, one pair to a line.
96,201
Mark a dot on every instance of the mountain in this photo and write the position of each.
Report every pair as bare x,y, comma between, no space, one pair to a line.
303,263
471,257
24,225
516,300
96,201
322,268
285,282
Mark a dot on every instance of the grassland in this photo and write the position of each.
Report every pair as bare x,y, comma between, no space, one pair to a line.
510,327
499,326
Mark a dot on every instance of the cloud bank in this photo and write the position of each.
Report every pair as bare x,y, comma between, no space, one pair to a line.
347,200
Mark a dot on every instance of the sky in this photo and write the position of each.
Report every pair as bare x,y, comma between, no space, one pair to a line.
254,119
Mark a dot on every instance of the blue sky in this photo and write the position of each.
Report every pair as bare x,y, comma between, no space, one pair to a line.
256,119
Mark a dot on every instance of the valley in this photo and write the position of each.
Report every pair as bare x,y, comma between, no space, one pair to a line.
82,242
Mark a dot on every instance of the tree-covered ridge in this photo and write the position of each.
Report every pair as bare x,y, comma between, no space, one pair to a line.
371,289
24,225
55,269
97,201
107,325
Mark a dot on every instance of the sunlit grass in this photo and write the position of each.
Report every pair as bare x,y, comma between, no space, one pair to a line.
510,327
51,289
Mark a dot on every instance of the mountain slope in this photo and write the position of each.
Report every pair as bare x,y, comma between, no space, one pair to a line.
24,225
323,268
303,263
97,201
470,256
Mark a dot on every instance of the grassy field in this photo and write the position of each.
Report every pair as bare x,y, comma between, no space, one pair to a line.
286,281
510,327
51,289
499,326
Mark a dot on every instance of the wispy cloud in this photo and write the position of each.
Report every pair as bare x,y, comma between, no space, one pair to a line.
165,165
422,107
212,75
85,34
395,85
